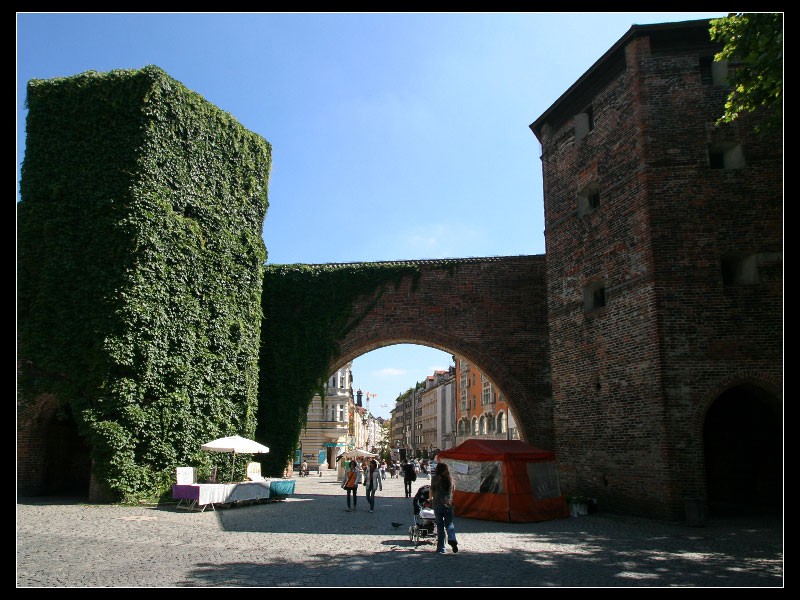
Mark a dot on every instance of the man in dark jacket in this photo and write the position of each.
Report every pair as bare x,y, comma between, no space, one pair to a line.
409,476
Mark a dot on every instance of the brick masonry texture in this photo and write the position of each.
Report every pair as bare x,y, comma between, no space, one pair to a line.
621,392
492,311
632,380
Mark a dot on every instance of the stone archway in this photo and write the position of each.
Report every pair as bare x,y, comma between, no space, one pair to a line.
743,456
491,311
52,459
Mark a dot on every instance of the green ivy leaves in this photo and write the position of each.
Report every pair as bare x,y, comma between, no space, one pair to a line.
308,309
140,264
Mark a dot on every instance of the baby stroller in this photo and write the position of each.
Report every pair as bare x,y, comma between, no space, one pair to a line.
424,526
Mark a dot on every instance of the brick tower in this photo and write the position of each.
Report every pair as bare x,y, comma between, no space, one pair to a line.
664,246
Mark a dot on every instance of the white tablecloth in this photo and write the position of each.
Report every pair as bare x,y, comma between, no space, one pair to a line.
203,494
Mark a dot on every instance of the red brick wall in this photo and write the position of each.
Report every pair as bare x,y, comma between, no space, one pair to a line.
713,334
492,311
632,380
619,393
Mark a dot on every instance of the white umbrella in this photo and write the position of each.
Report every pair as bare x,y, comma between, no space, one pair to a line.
358,453
237,445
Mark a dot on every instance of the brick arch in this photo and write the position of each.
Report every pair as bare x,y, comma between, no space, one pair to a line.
489,365
694,444
51,456
769,384
492,311
33,420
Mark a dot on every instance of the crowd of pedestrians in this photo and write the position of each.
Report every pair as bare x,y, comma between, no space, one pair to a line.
371,474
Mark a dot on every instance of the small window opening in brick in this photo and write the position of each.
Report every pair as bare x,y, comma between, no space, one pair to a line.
725,155
705,69
588,199
740,269
594,296
713,72
584,123
719,73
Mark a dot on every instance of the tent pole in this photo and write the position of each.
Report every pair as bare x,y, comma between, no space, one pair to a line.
233,464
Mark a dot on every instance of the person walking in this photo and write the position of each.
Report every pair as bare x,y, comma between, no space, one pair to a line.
442,502
373,483
409,476
350,481
383,469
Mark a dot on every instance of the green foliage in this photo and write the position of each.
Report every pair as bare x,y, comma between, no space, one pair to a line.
140,264
385,444
753,45
307,309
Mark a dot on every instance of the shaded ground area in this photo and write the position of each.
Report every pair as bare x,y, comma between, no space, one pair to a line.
309,540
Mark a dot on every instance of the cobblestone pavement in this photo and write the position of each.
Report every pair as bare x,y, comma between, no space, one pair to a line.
310,540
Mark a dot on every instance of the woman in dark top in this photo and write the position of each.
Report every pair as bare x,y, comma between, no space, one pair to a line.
442,502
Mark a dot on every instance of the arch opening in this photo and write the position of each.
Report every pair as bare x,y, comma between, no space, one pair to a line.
67,461
391,385
743,453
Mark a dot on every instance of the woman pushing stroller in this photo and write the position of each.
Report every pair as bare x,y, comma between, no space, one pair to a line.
423,514
441,494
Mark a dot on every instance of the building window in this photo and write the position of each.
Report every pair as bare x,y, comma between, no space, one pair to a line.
501,423
705,69
713,72
740,269
487,392
725,155
584,123
483,425
490,423
588,199
594,296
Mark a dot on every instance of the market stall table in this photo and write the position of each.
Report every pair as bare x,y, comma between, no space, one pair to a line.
209,494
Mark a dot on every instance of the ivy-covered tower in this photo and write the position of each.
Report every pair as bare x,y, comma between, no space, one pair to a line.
140,258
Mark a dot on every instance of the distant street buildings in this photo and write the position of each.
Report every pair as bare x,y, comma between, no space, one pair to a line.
446,409
338,422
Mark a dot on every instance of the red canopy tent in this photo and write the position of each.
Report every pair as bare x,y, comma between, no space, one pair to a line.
505,480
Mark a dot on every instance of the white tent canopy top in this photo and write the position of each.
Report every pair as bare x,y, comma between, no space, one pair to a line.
357,453
235,444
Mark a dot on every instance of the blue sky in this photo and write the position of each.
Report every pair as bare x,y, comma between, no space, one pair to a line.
394,135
